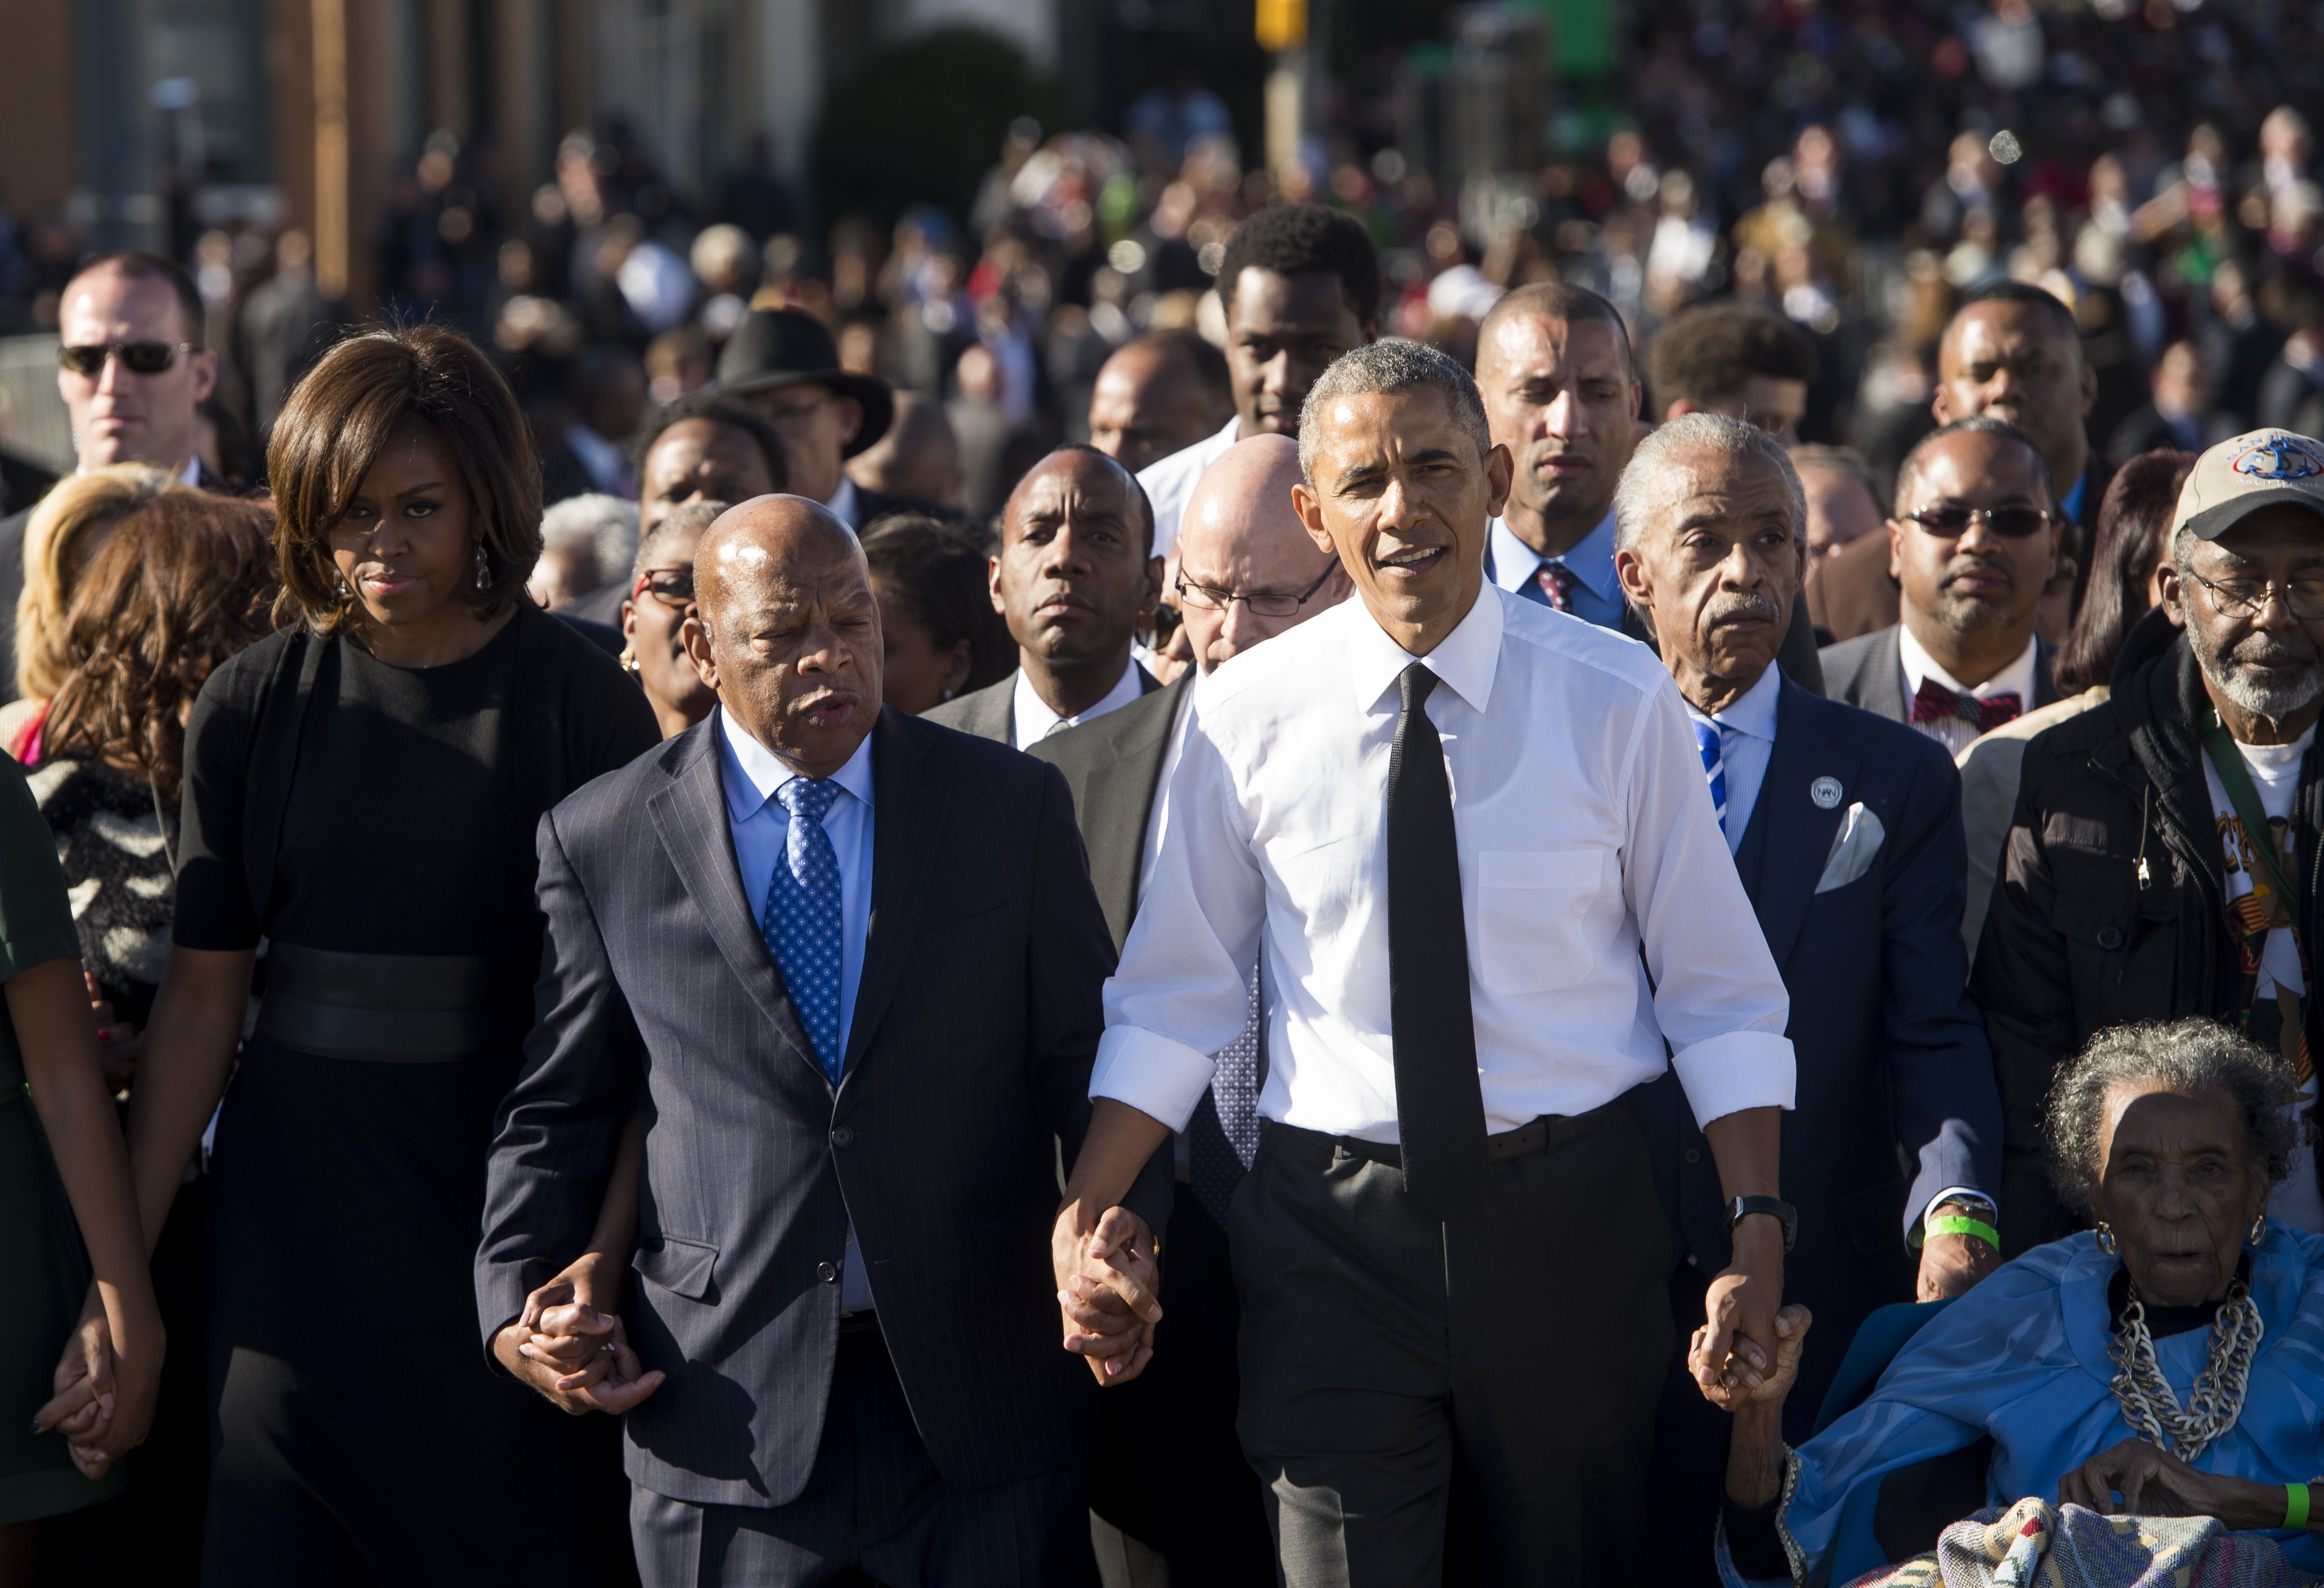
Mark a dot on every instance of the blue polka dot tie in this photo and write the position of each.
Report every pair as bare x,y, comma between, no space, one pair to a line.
801,922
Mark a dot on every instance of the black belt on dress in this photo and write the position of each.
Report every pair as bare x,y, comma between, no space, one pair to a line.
407,1008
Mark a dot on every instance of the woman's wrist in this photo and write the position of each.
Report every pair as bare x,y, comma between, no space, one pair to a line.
1755,1459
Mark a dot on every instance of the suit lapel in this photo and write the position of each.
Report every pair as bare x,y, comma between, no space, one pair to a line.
1799,828
907,825
689,816
1124,786
1884,691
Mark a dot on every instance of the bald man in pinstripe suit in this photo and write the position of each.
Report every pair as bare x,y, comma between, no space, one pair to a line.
846,964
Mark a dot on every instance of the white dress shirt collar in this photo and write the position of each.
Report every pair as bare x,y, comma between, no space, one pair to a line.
2016,678
192,474
1033,720
844,504
754,773
1753,712
1464,658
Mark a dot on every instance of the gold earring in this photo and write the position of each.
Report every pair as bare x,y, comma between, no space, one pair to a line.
2258,1231
2107,1242
629,659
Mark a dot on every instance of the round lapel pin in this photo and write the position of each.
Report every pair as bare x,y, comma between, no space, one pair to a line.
1825,792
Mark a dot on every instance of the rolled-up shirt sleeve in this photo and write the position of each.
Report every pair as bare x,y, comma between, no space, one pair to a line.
1181,993
1718,998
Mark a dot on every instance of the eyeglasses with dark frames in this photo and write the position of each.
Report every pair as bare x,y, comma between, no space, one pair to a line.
672,587
139,358
1262,603
1951,520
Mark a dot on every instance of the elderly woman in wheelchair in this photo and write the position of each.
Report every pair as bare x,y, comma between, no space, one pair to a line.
2167,1363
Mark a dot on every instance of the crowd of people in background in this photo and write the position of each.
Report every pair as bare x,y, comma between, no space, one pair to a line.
1612,885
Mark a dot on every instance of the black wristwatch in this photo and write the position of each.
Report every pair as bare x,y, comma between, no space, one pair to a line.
1743,1207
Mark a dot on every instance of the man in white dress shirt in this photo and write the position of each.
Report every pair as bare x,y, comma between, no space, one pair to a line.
1300,284
1973,542
1471,843
1075,574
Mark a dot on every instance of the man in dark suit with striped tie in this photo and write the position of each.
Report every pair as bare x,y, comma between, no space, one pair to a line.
1171,1499
846,966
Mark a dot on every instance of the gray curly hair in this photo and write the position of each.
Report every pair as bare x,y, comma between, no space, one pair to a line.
1392,364
2190,1056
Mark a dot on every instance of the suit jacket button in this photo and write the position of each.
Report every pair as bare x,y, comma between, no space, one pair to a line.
827,1272
2110,937
1694,1155
842,1136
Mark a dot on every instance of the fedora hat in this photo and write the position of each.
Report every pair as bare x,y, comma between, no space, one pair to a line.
777,348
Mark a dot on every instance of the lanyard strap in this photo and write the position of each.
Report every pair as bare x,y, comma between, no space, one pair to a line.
2235,779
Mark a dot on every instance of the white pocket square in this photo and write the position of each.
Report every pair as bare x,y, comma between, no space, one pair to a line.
1858,839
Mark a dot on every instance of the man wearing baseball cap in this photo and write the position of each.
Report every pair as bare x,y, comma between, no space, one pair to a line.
783,362
2164,858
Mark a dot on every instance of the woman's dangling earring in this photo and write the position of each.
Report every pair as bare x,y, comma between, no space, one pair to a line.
2107,1242
483,568
629,659
2258,1231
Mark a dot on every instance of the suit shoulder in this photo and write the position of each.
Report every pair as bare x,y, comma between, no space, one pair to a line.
968,752
1092,741
968,710
1846,658
1884,741
619,797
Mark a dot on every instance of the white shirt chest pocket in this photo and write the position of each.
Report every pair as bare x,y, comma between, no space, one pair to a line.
1532,910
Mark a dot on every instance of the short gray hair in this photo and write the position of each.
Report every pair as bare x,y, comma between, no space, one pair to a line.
1394,364
694,518
605,527
1655,470
2190,1056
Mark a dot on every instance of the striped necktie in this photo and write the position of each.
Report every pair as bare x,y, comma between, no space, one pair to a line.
1706,739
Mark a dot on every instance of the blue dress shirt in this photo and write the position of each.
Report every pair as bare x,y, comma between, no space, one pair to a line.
1597,596
750,773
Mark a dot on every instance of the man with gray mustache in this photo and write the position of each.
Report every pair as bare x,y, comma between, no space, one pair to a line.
1846,830
2164,856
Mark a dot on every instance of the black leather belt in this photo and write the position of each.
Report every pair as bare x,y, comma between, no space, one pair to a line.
406,1008
1543,1133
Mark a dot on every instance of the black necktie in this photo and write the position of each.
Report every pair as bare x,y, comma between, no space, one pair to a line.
1440,1106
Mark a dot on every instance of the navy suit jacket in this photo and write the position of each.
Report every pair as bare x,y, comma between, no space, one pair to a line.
967,1061
1896,1096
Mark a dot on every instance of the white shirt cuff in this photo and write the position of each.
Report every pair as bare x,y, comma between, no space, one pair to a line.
1727,1074
1964,1194
1159,1078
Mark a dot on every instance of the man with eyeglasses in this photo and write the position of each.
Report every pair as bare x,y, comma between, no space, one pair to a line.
1172,1497
132,370
784,364
1973,541
2164,856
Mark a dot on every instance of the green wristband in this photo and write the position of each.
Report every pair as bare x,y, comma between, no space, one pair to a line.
1952,1224
2295,1507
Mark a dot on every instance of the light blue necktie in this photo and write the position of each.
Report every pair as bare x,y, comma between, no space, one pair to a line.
1706,738
801,920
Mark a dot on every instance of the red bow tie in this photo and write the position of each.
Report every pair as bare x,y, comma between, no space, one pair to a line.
1934,703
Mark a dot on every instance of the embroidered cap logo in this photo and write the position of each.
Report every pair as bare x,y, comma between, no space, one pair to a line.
2279,456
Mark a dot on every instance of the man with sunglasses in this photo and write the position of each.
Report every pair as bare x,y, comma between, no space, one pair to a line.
1973,542
2164,856
132,370
1174,1499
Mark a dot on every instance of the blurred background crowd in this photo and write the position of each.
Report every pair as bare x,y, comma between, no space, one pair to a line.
972,227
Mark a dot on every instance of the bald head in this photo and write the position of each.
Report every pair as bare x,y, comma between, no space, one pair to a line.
1154,397
1241,547
787,629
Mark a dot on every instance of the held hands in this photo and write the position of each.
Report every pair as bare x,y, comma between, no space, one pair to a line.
104,1401
1738,1386
1108,1279
119,1043
1739,1343
571,1350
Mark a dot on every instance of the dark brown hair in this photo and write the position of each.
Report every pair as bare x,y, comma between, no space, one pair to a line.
2133,535
182,583
937,571
331,430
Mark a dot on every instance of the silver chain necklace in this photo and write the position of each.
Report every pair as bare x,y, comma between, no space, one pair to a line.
2217,1401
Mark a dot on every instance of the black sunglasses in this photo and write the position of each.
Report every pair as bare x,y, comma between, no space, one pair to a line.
2011,523
139,358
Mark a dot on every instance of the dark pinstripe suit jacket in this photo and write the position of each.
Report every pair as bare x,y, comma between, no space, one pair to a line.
975,1027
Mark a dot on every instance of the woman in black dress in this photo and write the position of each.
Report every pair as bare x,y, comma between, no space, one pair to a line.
361,793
